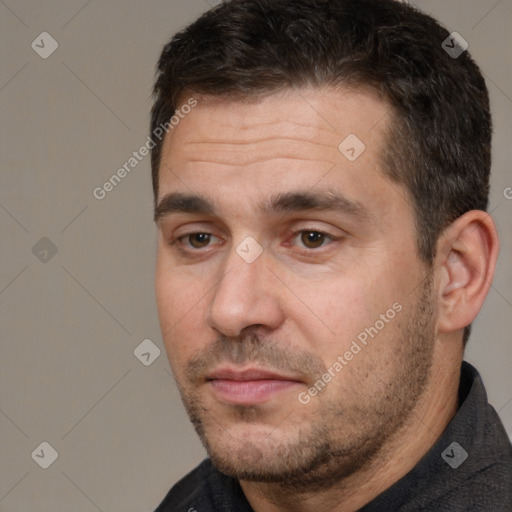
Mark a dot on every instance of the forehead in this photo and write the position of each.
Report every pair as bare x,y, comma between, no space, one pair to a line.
312,114
231,150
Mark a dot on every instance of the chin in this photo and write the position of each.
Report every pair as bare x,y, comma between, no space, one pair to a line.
265,453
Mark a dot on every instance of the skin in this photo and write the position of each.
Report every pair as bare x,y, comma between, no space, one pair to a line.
303,301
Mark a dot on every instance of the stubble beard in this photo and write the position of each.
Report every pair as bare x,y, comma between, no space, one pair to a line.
316,454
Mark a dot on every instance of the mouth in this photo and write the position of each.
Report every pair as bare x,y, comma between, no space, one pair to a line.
249,386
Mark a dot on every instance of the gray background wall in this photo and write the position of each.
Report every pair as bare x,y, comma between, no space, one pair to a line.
70,321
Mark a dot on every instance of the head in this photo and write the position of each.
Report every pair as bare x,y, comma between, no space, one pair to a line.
318,205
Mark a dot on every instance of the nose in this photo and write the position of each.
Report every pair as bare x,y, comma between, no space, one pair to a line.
246,295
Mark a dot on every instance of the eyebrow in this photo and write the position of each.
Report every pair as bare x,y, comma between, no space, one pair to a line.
281,203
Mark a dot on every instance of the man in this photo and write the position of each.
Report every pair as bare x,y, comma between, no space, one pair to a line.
323,249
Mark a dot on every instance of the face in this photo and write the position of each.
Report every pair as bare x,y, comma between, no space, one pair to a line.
297,316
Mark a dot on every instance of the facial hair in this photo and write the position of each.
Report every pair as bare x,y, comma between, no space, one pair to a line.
333,442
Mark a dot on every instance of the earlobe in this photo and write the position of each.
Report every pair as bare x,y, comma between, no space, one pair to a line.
466,259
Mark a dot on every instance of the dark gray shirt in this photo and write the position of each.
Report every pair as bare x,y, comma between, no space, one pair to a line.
469,469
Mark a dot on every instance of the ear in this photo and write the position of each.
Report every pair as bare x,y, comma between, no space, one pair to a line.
465,261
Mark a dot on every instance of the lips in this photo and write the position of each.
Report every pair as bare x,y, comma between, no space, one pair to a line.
247,374
250,386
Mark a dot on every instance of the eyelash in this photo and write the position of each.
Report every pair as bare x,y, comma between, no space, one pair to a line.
178,241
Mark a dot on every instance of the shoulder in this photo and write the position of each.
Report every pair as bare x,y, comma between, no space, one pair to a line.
483,482
205,489
190,490
489,490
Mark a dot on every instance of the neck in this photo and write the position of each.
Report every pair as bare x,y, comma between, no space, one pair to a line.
400,454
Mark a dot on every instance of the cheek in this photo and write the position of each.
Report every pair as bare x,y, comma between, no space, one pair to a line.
181,313
340,310
334,307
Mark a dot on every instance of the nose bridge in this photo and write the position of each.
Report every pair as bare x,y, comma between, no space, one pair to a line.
244,296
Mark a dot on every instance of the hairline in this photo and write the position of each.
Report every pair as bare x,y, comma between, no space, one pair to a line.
255,96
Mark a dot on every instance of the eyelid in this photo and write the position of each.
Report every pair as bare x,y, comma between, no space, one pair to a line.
292,234
307,229
178,240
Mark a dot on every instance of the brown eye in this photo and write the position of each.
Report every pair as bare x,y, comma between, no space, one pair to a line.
312,239
199,240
